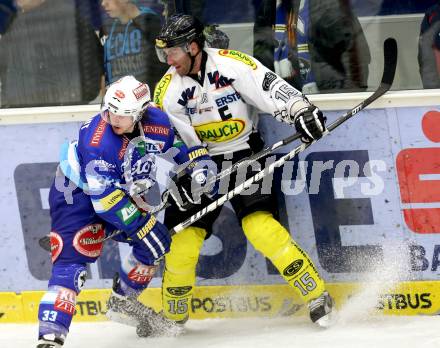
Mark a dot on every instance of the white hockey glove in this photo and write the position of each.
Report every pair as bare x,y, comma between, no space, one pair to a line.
308,121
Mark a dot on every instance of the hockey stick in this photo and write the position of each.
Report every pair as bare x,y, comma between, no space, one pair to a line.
390,62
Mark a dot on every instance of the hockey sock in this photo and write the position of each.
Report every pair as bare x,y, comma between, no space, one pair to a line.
269,237
180,272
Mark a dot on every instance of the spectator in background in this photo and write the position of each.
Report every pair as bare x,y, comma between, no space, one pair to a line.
49,56
8,11
128,37
219,11
215,37
429,48
319,45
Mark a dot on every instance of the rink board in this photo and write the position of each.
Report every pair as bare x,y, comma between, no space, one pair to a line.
374,205
366,195
407,298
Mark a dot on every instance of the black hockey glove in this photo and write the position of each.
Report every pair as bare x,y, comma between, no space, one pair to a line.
310,123
189,188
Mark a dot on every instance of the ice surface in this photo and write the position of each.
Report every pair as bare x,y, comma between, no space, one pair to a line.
374,332
358,325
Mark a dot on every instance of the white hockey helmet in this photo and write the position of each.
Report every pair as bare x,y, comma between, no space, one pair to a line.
126,97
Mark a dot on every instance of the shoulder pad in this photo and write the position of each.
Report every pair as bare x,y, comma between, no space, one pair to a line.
156,115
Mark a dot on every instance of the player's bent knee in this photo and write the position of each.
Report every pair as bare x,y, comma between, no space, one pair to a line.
265,233
269,237
69,275
185,250
180,273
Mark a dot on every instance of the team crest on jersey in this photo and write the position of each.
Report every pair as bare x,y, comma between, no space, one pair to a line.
186,95
219,80
240,56
269,78
220,131
204,98
160,90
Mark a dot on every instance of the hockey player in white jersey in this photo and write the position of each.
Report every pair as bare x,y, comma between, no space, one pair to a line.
209,95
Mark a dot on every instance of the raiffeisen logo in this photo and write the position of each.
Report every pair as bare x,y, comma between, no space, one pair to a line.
240,56
418,170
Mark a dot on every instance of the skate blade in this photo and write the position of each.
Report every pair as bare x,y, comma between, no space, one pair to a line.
121,318
327,320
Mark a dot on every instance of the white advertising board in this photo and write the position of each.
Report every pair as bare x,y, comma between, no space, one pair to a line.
367,194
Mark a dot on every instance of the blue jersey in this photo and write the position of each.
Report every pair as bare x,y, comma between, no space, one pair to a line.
113,167
109,171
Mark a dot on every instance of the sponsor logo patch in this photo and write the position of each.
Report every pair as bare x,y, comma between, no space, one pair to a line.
404,301
65,301
56,245
141,91
120,94
159,130
197,153
89,240
112,199
293,268
220,131
123,148
179,291
240,56
269,78
160,43
128,213
142,274
98,133
160,90
147,227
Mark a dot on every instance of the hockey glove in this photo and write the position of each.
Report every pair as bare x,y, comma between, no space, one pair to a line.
155,240
310,123
195,182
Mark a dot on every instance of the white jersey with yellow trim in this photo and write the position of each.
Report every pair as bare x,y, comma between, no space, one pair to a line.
219,110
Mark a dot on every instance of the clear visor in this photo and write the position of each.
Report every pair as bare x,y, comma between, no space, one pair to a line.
174,53
123,121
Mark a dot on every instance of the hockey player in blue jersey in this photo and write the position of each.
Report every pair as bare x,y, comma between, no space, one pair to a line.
108,174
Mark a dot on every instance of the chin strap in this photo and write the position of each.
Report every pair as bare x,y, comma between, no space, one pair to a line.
193,61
